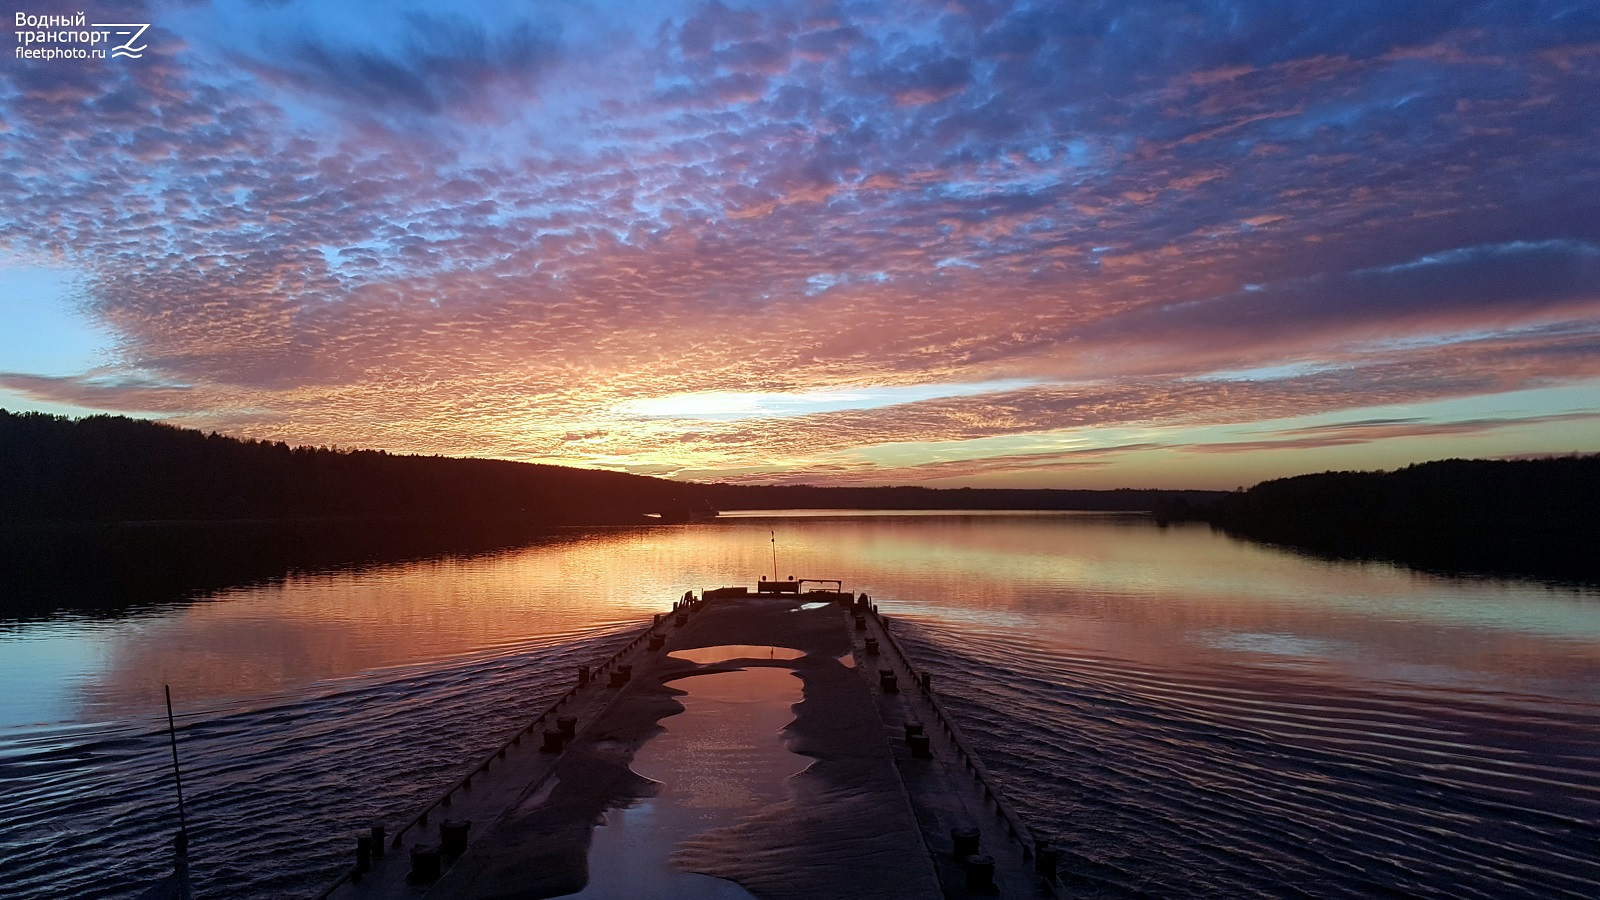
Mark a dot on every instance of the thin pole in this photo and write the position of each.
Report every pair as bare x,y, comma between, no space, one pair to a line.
177,776
774,555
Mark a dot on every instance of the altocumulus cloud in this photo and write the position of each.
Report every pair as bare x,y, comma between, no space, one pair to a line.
460,230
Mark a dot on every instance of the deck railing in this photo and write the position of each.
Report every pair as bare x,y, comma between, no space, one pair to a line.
1017,831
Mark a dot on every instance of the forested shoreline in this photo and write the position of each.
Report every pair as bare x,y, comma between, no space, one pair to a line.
1536,518
115,469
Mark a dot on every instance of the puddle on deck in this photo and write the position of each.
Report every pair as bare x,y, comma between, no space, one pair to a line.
722,758
728,652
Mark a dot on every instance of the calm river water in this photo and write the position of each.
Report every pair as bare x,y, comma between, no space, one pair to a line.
1189,715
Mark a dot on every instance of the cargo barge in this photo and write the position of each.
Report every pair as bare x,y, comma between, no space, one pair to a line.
870,791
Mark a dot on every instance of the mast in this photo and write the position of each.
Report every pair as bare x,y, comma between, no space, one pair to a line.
774,554
177,774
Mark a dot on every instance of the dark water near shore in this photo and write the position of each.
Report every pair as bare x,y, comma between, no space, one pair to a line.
1189,715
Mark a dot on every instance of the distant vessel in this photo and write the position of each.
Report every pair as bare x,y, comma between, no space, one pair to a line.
896,803
681,513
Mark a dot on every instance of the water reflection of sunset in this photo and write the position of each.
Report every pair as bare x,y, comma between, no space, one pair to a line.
1098,586
1104,656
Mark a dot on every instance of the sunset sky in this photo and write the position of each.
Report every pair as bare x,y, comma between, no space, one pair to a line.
1075,244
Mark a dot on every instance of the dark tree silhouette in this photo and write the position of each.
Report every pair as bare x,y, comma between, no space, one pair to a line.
111,468
115,469
1538,518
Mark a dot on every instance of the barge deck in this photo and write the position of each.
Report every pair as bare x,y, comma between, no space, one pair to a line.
894,802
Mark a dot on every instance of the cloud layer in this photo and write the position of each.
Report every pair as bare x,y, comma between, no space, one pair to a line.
449,230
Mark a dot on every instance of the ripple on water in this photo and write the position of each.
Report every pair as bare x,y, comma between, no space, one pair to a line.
266,787
1235,782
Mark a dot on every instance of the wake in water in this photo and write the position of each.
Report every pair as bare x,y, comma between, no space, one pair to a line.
275,795
1267,781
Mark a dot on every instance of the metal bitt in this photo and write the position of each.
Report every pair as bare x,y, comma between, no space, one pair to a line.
620,676
657,641
963,842
920,748
681,619
912,727
980,873
568,726
379,837
888,682
861,623
453,836
872,646
554,740
364,853
925,681
425,863
583,674
1046,858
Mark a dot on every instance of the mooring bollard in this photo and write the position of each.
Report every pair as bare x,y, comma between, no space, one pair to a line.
861,623
888,682
963,841
453,836
912,727
379,836
920,748
568,726
554,740
657,641
424,863
872,646
363,853
1045,859
926,678
1047,862
681,619
583,674
619,678
980,872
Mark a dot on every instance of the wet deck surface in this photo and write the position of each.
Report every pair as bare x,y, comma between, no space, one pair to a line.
866,818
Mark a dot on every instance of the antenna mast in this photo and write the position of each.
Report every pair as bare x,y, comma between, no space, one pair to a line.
177,776
774,555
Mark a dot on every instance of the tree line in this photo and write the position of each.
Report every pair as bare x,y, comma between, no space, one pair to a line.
112,468
1537,517
116,469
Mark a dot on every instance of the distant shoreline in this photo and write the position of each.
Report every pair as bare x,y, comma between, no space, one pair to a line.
110,469
1537,519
